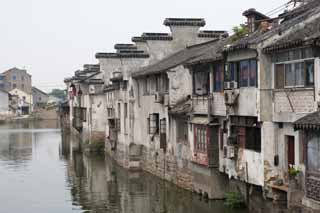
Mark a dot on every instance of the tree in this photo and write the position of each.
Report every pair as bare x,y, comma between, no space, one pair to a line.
239,32
58,93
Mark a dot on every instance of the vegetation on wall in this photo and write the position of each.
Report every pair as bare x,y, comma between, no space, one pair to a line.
239,32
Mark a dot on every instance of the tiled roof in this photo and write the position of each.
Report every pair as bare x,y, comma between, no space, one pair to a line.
125,47
212,34
215,53
297,16
311,121
122,55
308,34
38,90
176,59
184,22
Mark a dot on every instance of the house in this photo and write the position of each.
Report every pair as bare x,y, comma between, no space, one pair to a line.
209,112
40,98
294,55
164,106
86,103
16,78
24,101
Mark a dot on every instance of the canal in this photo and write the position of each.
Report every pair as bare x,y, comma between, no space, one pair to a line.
43,170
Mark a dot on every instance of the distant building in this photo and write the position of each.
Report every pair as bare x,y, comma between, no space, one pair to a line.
4,101
2,81
39,97
16,78
24,101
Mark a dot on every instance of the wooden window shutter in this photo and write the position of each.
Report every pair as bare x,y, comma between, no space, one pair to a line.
241,137
279,76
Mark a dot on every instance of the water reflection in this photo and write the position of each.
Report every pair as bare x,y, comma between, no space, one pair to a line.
99,185
42,170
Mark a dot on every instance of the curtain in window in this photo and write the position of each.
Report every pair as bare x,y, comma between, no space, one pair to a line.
201,80
309,73
217,78
289,75
244,73
253,73
299,74
313,152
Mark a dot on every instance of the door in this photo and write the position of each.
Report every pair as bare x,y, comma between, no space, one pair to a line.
291,159
213,147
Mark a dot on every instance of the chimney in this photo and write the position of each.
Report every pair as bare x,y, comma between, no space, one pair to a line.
158,45
254,18
184,30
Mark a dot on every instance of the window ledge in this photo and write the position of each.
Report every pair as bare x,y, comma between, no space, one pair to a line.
294,89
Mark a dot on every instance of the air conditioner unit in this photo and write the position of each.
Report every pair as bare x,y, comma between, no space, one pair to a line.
159,98
228,152
92,89
233,85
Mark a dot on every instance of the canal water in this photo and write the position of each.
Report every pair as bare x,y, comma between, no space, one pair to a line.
43,170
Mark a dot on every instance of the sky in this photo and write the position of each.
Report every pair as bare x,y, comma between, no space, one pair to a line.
54,38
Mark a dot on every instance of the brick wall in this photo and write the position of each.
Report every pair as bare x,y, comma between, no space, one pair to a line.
313,188
302,101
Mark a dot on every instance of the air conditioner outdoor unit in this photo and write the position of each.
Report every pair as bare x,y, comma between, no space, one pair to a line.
159,98
92,89
233,85
228,152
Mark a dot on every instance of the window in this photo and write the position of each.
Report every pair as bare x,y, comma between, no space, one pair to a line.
218,78
200,138
244,72
2,77
14,86
14,77
22,86
294,68
298,74
153,123
231,72
182,130
313,153
22,78
247,131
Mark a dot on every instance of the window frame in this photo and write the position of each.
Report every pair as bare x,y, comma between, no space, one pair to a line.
304,61
201,138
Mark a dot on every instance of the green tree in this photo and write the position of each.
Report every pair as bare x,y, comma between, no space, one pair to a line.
58,93
239,32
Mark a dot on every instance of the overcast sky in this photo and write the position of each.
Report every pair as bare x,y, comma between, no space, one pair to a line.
53,38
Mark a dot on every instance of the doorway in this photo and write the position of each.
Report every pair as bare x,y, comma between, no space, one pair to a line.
290,151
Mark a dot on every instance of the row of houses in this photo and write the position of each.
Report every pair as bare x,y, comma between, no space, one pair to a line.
18,96
210,112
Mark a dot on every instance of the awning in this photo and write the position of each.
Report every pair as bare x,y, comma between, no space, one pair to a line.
310,122
200,120
203,121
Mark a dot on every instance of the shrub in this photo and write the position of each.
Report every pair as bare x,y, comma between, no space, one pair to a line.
235,200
